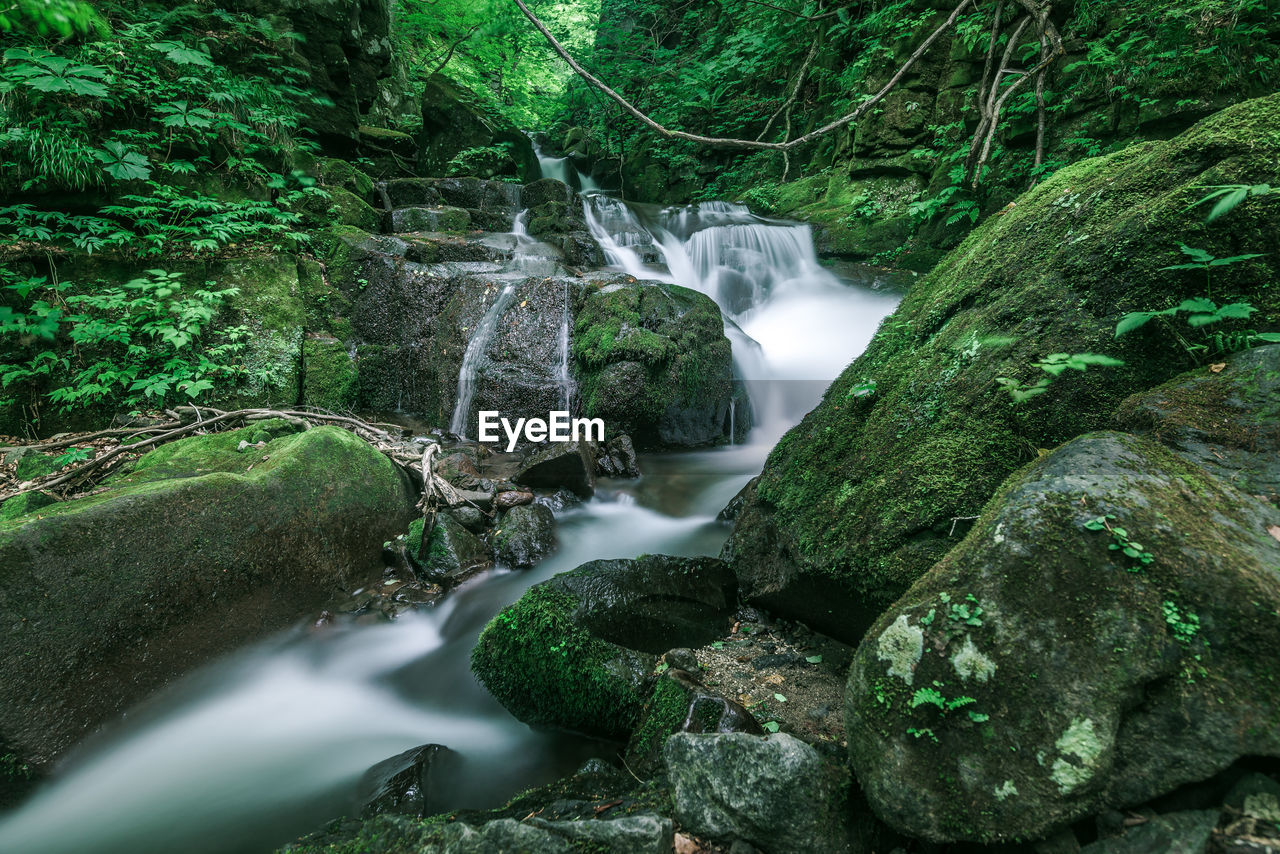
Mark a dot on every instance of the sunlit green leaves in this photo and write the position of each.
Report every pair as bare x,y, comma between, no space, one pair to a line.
123,163
43,71
180,54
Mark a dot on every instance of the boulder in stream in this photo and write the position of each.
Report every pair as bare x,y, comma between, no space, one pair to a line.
1105,634
196,550
525,535
450,554
570,465
576,651
652,360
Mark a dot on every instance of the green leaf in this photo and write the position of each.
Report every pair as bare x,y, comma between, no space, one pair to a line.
814,659
1133,320
781,698
770,726
180,54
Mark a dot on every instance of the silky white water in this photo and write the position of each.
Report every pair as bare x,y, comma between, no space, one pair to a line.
264,746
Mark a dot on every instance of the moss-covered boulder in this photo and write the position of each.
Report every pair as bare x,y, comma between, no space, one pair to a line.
328,374
455,121
867,492
450,554
1224,417
652,360
199,548
576,651
1105,634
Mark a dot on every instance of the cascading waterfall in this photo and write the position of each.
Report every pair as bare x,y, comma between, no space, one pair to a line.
563,170
269,743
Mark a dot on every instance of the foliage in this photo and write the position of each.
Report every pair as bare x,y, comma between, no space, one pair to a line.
1120,541
1054,365
50,17
146,342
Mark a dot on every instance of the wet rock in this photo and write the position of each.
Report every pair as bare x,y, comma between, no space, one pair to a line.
401,784
526,534
772,791
512,498
559,501
641,834
195,551
653,362
1223,418
729,513
408,192
540,192
454,120
847,515
680,703
1042,632
575,652
561,464
449,555
429,219
1176,833
459,469
618,458
470,518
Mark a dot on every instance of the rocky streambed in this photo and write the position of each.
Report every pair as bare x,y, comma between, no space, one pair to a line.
936,619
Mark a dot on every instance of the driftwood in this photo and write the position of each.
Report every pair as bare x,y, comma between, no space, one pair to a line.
196,420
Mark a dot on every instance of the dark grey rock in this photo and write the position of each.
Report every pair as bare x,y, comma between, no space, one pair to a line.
562,464
525,535
772,791
1176,833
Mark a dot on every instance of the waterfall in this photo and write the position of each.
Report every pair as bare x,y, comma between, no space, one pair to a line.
792,323
563,377
563,170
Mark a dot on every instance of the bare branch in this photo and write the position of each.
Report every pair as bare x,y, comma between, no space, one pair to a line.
745,144
453,47
795,90
799,15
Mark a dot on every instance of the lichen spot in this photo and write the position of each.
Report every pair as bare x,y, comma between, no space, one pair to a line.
1080,749
998,535
901,645
1005,790
971,664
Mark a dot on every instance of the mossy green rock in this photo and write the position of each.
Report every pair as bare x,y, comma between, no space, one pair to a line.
1040,673
451,554
1225,418
653,361
576,651
329,378
679,703
196,550
333,172
861,498
455,120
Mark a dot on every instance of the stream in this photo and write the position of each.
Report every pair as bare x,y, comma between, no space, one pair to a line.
265,745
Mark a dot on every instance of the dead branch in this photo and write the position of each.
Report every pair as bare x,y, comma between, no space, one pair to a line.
795,90
453,47
746,144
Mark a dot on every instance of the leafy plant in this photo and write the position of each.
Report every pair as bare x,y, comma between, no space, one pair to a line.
1055,364
1121,542
1229,197
1202,260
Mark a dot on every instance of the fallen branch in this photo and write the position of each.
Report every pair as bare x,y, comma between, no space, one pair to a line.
727,142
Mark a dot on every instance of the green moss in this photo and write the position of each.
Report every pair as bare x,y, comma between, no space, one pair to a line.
21,505
550,671
329,378
863,492
663,715
341,174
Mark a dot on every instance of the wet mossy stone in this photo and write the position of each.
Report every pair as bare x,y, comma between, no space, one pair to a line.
576,651
526,534
454,120
333,172
1224,417
571,465
1039,673
680,703
329,378
774,791
652,360
21,505
1174,833
451,554
858,500
196,550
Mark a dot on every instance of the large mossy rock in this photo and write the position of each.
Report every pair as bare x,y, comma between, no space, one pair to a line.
455,121
576,651
653,361
1039,673
862,497
196,550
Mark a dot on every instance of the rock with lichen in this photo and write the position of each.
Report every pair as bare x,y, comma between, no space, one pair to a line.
1104,634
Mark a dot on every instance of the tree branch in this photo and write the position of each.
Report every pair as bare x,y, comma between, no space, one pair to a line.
745,144
795,90
802,17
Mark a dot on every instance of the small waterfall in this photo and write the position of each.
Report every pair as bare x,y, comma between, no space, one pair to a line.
563,170
474,356
733,425
564,378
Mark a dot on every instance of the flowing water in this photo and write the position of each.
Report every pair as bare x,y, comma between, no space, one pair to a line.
266,744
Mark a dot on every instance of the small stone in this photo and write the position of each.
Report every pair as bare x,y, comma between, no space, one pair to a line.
507,500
